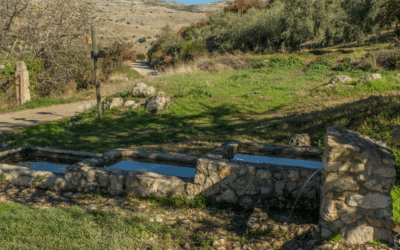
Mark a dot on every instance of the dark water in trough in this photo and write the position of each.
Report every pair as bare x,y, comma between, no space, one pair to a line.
280,161
44,166
122,165
156,168
165,169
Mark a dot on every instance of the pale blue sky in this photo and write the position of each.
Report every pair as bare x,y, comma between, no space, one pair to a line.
194,2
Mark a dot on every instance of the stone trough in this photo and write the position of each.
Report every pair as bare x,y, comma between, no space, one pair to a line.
351,192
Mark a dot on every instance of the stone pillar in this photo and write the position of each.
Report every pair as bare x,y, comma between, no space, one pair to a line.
22,83
358,175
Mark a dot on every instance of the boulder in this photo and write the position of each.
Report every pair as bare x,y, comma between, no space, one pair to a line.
370,77
300,140
341,79
396,75
156,103
115,102
141,90
129,103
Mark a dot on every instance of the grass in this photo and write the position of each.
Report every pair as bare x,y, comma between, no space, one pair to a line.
266,103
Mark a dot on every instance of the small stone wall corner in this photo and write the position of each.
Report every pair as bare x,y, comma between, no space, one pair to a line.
358,175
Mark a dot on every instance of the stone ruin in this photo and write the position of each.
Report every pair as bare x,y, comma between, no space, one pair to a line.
351,192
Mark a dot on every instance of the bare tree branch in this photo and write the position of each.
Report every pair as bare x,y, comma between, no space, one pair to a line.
52,30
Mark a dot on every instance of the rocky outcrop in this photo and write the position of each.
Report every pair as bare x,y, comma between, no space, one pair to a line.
370,77
341,79
154,103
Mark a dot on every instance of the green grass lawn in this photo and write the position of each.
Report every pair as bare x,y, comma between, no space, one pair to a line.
267,103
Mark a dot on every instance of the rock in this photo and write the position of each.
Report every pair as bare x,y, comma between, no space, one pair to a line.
325,233
129,103
396,75
149,182
312,113
141,90
115,102
156,103
329,86
137,105
341,79
374,96
300,140
396,135
370,77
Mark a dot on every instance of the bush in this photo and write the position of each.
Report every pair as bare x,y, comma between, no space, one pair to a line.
130,55
343,67
192,48
283,63
320,66
141,57
142,40
241,6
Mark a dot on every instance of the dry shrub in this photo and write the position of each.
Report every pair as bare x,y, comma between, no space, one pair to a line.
130,56
167,58
387,58
241,6
203,22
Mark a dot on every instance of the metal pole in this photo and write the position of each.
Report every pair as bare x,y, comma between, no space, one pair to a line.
96,70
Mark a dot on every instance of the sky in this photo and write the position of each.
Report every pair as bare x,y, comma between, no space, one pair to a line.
194,2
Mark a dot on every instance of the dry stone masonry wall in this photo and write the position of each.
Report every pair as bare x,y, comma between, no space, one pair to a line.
358,175
352,191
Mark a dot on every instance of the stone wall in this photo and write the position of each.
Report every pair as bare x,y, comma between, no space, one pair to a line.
352,191
358,175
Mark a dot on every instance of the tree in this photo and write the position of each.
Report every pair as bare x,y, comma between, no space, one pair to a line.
391,15
53,31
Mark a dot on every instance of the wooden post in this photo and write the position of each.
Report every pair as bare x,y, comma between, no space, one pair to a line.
96,70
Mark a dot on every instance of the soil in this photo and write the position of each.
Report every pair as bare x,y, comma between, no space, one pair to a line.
145,20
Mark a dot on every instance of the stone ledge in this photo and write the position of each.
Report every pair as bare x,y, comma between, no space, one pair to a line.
228,150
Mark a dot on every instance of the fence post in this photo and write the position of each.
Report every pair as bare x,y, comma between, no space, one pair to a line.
22,83
96,70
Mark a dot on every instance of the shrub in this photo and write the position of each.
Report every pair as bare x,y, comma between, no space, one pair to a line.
192,48
319,66
141,57
283,63
343,67
130,55
142,40
241,6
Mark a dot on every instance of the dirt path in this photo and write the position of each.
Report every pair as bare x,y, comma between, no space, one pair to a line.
14,121
143,67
